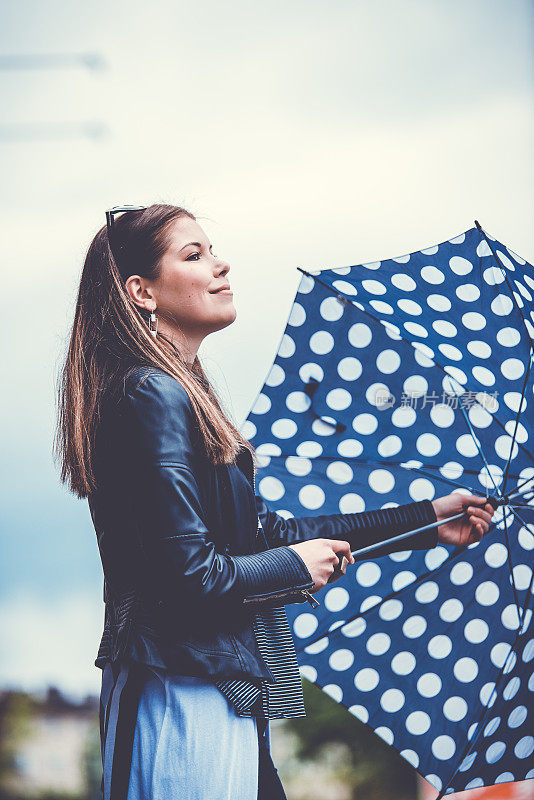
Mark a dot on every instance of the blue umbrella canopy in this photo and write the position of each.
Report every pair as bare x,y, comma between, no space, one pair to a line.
396,381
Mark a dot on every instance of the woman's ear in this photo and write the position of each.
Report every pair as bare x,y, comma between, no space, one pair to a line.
140,292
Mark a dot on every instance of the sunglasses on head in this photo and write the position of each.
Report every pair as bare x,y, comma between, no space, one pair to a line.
111,212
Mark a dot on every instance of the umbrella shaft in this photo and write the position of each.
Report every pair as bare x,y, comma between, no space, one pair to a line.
405,535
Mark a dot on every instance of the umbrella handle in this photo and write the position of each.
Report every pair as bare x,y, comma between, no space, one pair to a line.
340,569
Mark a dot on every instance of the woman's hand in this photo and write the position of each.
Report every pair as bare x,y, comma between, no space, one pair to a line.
464,530
321,557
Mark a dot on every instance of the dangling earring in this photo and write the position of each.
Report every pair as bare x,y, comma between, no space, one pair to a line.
153,323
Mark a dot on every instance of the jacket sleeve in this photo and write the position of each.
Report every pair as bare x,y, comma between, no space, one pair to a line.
172,521
359,529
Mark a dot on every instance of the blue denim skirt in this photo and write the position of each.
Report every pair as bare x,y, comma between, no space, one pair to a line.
165,735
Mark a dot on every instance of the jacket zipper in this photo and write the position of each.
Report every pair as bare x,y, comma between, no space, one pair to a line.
311,600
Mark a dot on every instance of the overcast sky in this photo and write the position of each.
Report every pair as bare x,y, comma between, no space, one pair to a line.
300,133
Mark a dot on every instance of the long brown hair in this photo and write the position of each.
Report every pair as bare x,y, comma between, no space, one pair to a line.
110,337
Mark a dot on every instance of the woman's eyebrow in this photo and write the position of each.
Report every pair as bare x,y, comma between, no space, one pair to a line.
196,244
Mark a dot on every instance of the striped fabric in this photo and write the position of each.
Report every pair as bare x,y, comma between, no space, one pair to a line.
270,701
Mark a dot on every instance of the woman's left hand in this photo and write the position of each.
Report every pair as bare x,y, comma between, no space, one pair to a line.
467,529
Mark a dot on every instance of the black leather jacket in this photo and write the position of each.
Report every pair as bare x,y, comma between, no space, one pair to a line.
189,551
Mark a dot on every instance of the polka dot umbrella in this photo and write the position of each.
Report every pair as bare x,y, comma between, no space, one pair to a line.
396,381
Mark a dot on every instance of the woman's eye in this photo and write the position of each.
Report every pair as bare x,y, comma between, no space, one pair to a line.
191,256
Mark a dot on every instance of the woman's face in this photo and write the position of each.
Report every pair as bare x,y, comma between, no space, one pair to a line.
187,291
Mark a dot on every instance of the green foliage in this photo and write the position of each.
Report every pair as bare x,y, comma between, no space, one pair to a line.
375,771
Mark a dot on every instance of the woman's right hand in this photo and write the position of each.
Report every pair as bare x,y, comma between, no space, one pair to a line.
321,557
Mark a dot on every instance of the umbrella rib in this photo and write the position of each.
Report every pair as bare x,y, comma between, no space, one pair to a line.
527,595
346,297
497,259
511,568
516,426
486,708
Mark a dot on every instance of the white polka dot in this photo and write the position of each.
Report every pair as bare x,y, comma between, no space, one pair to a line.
339,472
468,292
306,284
402,579
368,573
341,660
388,361
390,609
366,679
298,402
512,369
287,346
461,573
298,466
502,305
311,496
336,598
359,335
338,399
390,446
344,287
321,342
473,321
429,684
271,488
403,417
432,275
381,480
317,647
427,592
385,733
392,700
311,370
304,625
451,610
374,287
331,309
409,307
483,375
455,708
460,265
438,302
444,327
487,593
443,747
414,627
466,669
403,663
403,282
309,449
476,631
509,617
439,646
524,747
351,503
284,428
261,405
334,691
349,368
417,723
360,712
354,628
365,424
496,555
479,349
310,673
410,756
517,717
435,557
511,688
508,337
378,644
297,316
428,444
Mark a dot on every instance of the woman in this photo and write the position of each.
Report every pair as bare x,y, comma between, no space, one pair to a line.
196,652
